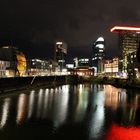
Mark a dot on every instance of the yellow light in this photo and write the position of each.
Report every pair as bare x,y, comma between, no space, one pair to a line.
21,64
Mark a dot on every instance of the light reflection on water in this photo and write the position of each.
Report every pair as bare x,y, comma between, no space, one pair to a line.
31,103
94,108
114,97
40,103
60,110
82,102
22,108
97,117
5,112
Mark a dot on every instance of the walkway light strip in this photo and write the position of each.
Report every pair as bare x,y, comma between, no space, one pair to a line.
124,28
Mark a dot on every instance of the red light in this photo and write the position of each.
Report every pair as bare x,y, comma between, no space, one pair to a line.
125,28
123,133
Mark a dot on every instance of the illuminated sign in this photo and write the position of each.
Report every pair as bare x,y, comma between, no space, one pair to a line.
117,28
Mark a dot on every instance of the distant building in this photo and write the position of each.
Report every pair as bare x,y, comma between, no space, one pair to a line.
38,67
75,61
60,54
98,54
83,62
85,72
69,66
81,67
4,66
111,67
129,39
53,67
8,54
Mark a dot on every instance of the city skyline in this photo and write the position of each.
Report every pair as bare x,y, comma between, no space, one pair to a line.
35,26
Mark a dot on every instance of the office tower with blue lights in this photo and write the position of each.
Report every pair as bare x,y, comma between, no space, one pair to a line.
98,54
60,54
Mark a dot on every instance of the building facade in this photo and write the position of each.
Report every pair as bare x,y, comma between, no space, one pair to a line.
81,67
8,54
83,62
129,39
98,54
38,67
4,65
84,72
111,67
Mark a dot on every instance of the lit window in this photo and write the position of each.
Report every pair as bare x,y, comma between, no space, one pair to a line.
100,50
101,46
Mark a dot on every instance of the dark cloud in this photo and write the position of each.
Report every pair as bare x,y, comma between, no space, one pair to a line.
40,22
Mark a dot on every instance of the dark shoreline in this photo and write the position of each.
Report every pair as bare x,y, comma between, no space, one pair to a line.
117,82
24,83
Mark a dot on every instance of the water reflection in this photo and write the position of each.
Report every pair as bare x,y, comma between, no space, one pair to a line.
46,100
22,108
40,103
82,102
131,112
123,133
96,107
97,121
97,116
61,106
31,103
5,112
114,97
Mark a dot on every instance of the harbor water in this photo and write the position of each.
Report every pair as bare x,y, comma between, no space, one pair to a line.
83,111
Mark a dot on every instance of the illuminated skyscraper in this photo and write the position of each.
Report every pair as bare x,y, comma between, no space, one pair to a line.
98,55
129,39
60,54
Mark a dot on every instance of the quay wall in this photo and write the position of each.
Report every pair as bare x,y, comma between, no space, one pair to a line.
21,83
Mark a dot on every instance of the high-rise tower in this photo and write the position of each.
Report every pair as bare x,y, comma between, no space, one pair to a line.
60,54
98,50
129,42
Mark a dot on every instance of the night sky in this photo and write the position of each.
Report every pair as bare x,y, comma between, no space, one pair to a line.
34,25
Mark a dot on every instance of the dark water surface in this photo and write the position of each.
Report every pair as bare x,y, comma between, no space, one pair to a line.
80,112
